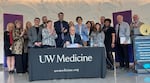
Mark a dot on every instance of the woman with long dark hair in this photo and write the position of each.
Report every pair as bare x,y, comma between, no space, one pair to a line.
98,36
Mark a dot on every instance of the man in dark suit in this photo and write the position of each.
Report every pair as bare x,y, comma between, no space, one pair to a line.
35,34
72,38
62,28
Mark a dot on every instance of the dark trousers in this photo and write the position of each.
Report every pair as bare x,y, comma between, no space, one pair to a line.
122,52
59,43
25,62
20,61
110,60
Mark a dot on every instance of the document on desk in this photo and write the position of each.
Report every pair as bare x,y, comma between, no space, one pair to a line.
123,39
73,46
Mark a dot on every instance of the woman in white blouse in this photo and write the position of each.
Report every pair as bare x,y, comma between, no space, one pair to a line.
49,35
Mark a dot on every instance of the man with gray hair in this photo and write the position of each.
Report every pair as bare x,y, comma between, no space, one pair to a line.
122,40
135,26
102,19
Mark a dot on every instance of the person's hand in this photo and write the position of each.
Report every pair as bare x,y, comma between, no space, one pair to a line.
65,30
125,43
95,45
39,44
67,43
79,46
36,43
53,32
10,48
62,30
112,45
22,33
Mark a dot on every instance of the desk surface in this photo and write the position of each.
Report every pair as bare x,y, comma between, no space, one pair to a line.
61,63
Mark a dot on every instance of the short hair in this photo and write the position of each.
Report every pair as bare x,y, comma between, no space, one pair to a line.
107,19
136,16
60,13
120,16
37,18
102,17
44,17
71,27
89,22
78,17
49,21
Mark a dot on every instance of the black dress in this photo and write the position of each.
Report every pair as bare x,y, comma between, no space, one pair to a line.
7,44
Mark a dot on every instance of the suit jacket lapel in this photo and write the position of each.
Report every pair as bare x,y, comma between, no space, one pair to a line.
70,39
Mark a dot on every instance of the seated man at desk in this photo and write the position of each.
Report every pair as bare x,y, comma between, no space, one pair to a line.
72,40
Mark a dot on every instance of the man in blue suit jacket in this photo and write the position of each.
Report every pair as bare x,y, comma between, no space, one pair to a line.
82,30
72,38
62,28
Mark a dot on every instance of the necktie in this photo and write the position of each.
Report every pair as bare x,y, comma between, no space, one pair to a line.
118,38
135,25
62,34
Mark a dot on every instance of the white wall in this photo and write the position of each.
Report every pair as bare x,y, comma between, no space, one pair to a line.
88,9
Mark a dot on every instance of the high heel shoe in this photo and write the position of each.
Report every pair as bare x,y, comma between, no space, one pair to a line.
12,71
9,72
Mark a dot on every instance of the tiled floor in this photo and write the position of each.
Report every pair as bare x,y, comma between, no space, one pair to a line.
120,76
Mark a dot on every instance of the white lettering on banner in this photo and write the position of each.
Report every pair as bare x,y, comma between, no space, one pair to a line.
66,70
64,59
47,58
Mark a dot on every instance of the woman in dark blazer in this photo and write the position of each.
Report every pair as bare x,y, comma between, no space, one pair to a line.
8,46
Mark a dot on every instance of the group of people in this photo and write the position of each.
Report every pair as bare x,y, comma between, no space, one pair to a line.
17,40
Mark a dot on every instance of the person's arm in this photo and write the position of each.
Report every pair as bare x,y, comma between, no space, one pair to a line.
86,30
16,36
103,36
127,33
80,41
131,29
113,40
67,28
113,35
57,28
54,35
5,39
30,36
45,35
64,41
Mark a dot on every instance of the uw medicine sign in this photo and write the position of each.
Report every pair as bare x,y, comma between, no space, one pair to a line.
61,63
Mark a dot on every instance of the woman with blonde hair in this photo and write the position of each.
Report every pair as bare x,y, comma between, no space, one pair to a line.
8,41
25,45
71,23
17,48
